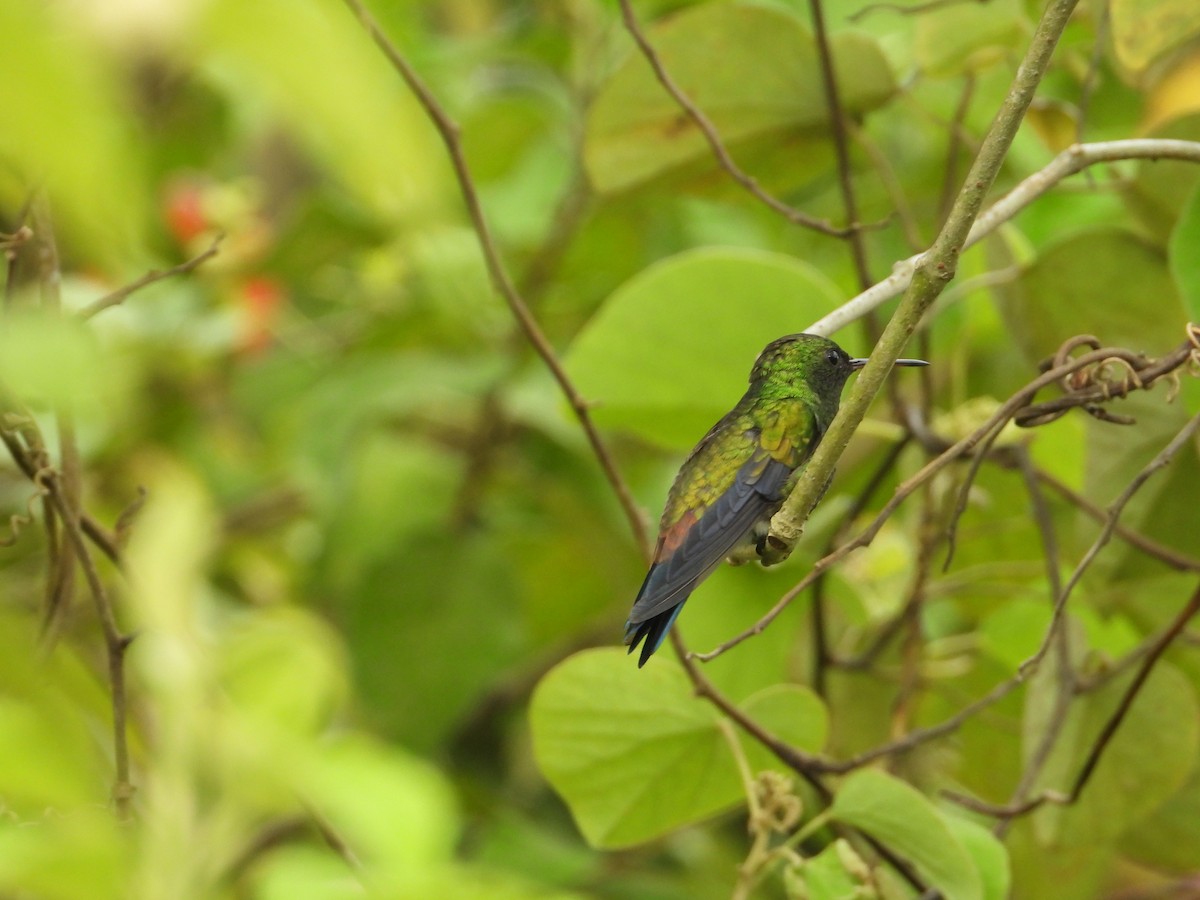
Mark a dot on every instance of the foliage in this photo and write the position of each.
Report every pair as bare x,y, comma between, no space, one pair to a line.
313,580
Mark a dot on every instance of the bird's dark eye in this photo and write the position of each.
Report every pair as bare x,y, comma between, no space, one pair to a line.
831,357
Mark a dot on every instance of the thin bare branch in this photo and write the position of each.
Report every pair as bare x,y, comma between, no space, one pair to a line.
1139,680
802,763
934,271
1164,554
448,130
1113,514
904,10
116,643
1070,162
1003,413
955,147
891,183
822,657
841,149
924,735
120,295
706,127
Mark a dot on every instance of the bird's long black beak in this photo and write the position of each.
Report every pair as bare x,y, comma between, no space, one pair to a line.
859,363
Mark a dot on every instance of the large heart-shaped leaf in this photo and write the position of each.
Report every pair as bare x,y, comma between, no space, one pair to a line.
753,70
636,754
670,351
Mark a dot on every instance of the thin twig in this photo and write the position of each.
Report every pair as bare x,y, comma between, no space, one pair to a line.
1070,162
1114,722
1088,87
964,492
935,269
34,460
1150,657
954,148
891,184
923,735
910,615
116,643
120,295
805,765
821,654
709,131
60,559
998,811
837,131
802,763
935,445
903,9
62,489
1164,554
1161,461
449,132
1003,413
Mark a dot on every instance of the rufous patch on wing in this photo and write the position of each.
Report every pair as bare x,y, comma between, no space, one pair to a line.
674,536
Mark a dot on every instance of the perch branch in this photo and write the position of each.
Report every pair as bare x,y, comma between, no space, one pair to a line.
1070,162
935,269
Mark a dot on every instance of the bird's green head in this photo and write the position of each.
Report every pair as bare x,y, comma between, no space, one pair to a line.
807,365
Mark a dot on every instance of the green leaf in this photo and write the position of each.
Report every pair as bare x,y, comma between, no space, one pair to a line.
1160,188
826,875
264,656
74,854
636,754
1107,282
1144,31
66,129
670,351
966,37
1170,838
1148,759
989,855
791,712
430,625
56,361
751,69
394,810
1012,633
903,818
1185,256
363,124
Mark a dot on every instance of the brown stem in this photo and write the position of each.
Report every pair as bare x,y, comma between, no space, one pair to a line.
1114,722
449,132
120,295
932,273
702,122
116,643
806,766
955,146
837,130
822,657
1003,413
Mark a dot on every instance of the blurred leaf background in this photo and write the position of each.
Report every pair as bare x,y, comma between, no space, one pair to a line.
371,525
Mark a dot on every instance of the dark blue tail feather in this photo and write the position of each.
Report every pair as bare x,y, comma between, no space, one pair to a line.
654,630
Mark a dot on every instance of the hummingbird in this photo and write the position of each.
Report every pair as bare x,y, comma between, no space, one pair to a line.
738,476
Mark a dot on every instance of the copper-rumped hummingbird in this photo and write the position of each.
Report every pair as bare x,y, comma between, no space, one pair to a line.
739,474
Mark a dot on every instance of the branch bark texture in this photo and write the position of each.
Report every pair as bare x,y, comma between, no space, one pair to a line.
932,273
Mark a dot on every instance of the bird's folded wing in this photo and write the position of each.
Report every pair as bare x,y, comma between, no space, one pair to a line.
756,490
